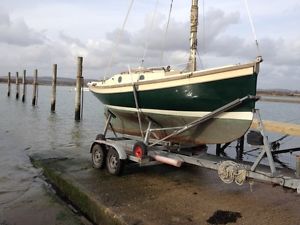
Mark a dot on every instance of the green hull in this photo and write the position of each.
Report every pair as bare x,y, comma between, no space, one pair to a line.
200,97
197,97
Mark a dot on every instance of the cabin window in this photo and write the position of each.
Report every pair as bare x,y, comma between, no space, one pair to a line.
120,79
142,77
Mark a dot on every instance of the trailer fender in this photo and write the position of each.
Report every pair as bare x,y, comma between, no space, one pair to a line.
119,149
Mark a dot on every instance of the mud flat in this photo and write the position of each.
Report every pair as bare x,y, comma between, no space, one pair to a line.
282,99
165,195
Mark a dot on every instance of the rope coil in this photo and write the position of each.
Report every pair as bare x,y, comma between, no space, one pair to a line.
230,171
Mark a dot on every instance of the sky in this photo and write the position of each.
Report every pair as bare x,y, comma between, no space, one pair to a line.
34,34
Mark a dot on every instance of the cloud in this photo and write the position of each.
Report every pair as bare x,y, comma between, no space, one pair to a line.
16,32
220,42
70,40
175,42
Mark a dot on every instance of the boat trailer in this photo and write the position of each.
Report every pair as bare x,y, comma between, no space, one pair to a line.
114,152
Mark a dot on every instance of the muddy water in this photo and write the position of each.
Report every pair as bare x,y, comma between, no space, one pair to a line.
25,129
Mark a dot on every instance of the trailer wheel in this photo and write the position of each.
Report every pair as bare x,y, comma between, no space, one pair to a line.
139,149
113,162
98,156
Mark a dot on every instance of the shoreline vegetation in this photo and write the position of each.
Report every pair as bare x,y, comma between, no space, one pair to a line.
266,94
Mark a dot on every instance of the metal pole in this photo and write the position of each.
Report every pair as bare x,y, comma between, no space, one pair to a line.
265,148
35,83
78,89
138,109
17,85
9,85
107,124
53,98
24,86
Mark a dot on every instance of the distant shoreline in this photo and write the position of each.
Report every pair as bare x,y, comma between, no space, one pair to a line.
47,81
280,98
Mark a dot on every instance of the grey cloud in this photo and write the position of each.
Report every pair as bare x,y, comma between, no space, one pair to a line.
119,37
70,40
17,32
216,22
177,38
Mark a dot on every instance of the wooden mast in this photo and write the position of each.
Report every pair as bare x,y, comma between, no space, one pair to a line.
192,64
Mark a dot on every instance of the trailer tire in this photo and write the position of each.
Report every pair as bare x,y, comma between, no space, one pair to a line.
98,156
139,149
113,162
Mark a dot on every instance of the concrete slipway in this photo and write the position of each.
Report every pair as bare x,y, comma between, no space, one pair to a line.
165,195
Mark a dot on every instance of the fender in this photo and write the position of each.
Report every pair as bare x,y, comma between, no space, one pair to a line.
118,148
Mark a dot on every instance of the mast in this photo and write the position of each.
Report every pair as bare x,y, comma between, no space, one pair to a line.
192,65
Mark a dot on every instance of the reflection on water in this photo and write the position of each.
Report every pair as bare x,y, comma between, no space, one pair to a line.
24,128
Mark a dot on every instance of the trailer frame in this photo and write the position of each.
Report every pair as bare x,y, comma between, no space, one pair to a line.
116,151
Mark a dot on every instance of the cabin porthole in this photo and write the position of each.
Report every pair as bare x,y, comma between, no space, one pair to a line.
142,77
120,79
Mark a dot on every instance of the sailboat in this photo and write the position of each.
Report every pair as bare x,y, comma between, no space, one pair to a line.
171,98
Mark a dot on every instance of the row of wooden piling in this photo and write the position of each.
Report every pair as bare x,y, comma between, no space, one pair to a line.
24,82
79,86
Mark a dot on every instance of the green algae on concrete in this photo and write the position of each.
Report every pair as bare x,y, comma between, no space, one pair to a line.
78,195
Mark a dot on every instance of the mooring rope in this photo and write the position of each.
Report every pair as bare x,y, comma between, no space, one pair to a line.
252,27
108,69
165,35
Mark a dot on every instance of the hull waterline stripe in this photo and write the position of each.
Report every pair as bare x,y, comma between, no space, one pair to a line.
226,115
173,82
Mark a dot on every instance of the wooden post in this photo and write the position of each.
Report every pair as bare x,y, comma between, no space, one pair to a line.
17,85
53,98
35,83
24,86
298,165
78,89
8,83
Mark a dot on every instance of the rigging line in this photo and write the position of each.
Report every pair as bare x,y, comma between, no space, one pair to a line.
149,32
200,60
203,36
203,25
252,26
120,34
165,35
